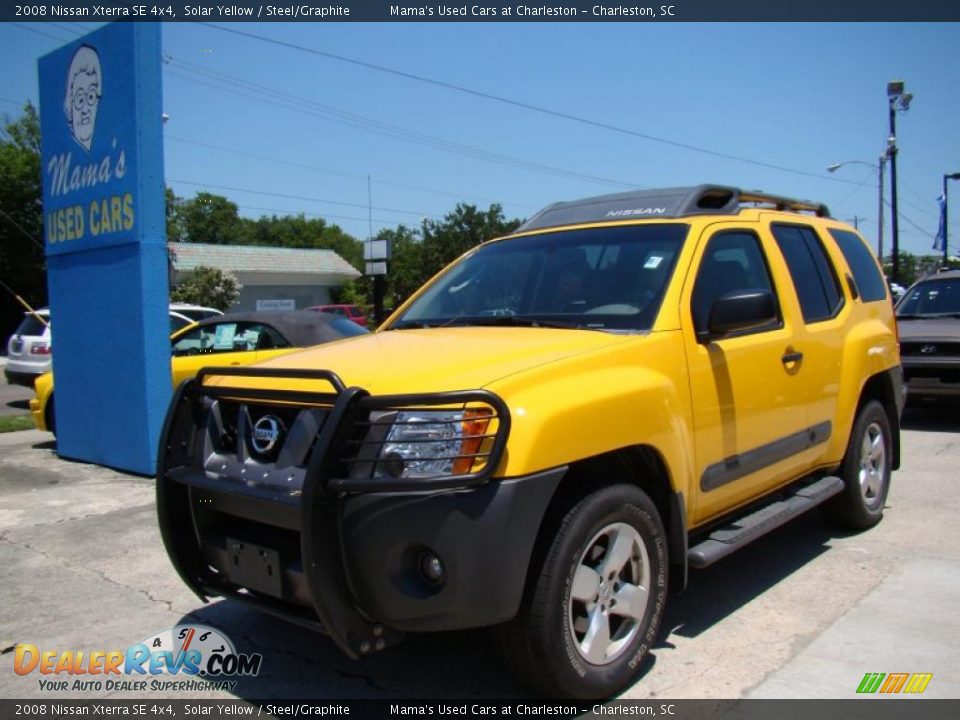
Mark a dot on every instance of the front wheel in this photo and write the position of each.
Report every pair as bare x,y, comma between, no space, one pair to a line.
594,606
865,471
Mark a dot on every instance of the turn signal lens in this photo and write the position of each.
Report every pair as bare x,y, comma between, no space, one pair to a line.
475,423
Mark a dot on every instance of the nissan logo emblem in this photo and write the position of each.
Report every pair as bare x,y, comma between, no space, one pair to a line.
266,434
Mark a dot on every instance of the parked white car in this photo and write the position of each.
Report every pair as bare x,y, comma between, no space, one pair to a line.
30,347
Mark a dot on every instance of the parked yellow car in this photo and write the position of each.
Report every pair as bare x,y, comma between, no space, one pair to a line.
237,339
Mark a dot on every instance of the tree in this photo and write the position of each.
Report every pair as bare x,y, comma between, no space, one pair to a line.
175,224
917,267
210,287
406,270
209,218
463,228
22,255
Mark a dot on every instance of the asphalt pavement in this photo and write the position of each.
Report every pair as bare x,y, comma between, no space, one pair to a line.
803,613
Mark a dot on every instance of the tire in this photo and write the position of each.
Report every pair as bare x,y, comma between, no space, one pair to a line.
50,417
571,637
865,471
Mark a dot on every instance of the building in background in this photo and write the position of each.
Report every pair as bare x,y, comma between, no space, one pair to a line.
273,278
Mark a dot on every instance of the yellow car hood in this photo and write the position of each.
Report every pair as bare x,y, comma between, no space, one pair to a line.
438,359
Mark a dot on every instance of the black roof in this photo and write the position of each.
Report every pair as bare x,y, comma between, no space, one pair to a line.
301,328
663,203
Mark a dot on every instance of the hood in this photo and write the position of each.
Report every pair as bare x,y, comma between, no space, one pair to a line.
443,359
942,328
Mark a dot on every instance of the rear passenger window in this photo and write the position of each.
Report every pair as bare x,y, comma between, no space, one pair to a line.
813,276
862,264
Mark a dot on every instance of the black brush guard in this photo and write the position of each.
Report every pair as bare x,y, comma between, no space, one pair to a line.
327,435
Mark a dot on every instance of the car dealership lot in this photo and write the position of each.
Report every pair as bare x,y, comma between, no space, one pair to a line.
804,612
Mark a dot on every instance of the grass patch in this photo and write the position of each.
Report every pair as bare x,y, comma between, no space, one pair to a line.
13,423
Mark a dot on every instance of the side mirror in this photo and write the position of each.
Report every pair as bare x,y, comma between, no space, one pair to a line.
739,310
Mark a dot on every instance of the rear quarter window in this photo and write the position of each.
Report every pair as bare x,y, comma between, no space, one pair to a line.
812,272
863,265
30,325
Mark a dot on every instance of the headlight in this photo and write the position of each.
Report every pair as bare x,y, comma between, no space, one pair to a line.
432,443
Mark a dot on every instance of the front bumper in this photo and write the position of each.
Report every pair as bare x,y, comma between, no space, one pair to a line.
15,377
343,558
931,377
36,412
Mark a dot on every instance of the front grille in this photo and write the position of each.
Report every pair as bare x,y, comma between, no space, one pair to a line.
267,439
930,349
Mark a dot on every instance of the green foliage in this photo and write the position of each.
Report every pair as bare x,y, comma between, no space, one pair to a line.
917,267
419,255
15,423
22,263
208,286
209,218
175,226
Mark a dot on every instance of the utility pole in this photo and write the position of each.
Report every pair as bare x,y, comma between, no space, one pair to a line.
946,233
897,100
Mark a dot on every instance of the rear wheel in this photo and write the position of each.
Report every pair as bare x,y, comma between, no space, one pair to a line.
865,471
592,611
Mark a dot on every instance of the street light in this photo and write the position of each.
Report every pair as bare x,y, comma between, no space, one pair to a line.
879,170
898,101
950,176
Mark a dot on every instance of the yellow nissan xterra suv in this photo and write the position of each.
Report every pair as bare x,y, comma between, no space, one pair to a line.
549,433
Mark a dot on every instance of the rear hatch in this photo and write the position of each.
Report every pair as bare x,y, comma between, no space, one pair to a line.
29,348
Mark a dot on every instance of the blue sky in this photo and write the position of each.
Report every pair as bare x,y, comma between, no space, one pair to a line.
290,131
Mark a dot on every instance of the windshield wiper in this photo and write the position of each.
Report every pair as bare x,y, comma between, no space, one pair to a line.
520,321
411,324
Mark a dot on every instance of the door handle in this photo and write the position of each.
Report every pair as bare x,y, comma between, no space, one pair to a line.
791,357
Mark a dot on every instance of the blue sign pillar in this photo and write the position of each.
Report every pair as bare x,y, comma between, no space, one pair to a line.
104,222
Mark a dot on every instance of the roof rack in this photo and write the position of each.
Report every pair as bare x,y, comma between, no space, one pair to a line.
664,203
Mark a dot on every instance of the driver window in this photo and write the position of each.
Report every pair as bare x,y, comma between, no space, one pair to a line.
733,262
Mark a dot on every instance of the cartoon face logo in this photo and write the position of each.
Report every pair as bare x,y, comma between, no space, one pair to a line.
84,87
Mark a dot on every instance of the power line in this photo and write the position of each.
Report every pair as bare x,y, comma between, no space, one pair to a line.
20,227
376,221
521,104
310,107
296,197
339,173
38,32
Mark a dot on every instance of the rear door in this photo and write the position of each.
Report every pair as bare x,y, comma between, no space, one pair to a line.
819,299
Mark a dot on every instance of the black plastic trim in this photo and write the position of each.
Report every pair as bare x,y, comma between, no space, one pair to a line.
758,521
677,542
738,466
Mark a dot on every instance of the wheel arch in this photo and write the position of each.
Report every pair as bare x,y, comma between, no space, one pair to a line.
640,465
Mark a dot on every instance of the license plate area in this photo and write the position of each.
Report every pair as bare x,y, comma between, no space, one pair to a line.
255,567
17,346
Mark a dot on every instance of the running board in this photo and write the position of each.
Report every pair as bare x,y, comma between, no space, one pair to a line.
734,535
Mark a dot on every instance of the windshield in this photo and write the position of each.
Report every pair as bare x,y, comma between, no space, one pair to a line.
931,298
609,278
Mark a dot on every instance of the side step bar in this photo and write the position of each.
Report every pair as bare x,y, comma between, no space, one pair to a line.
731,537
